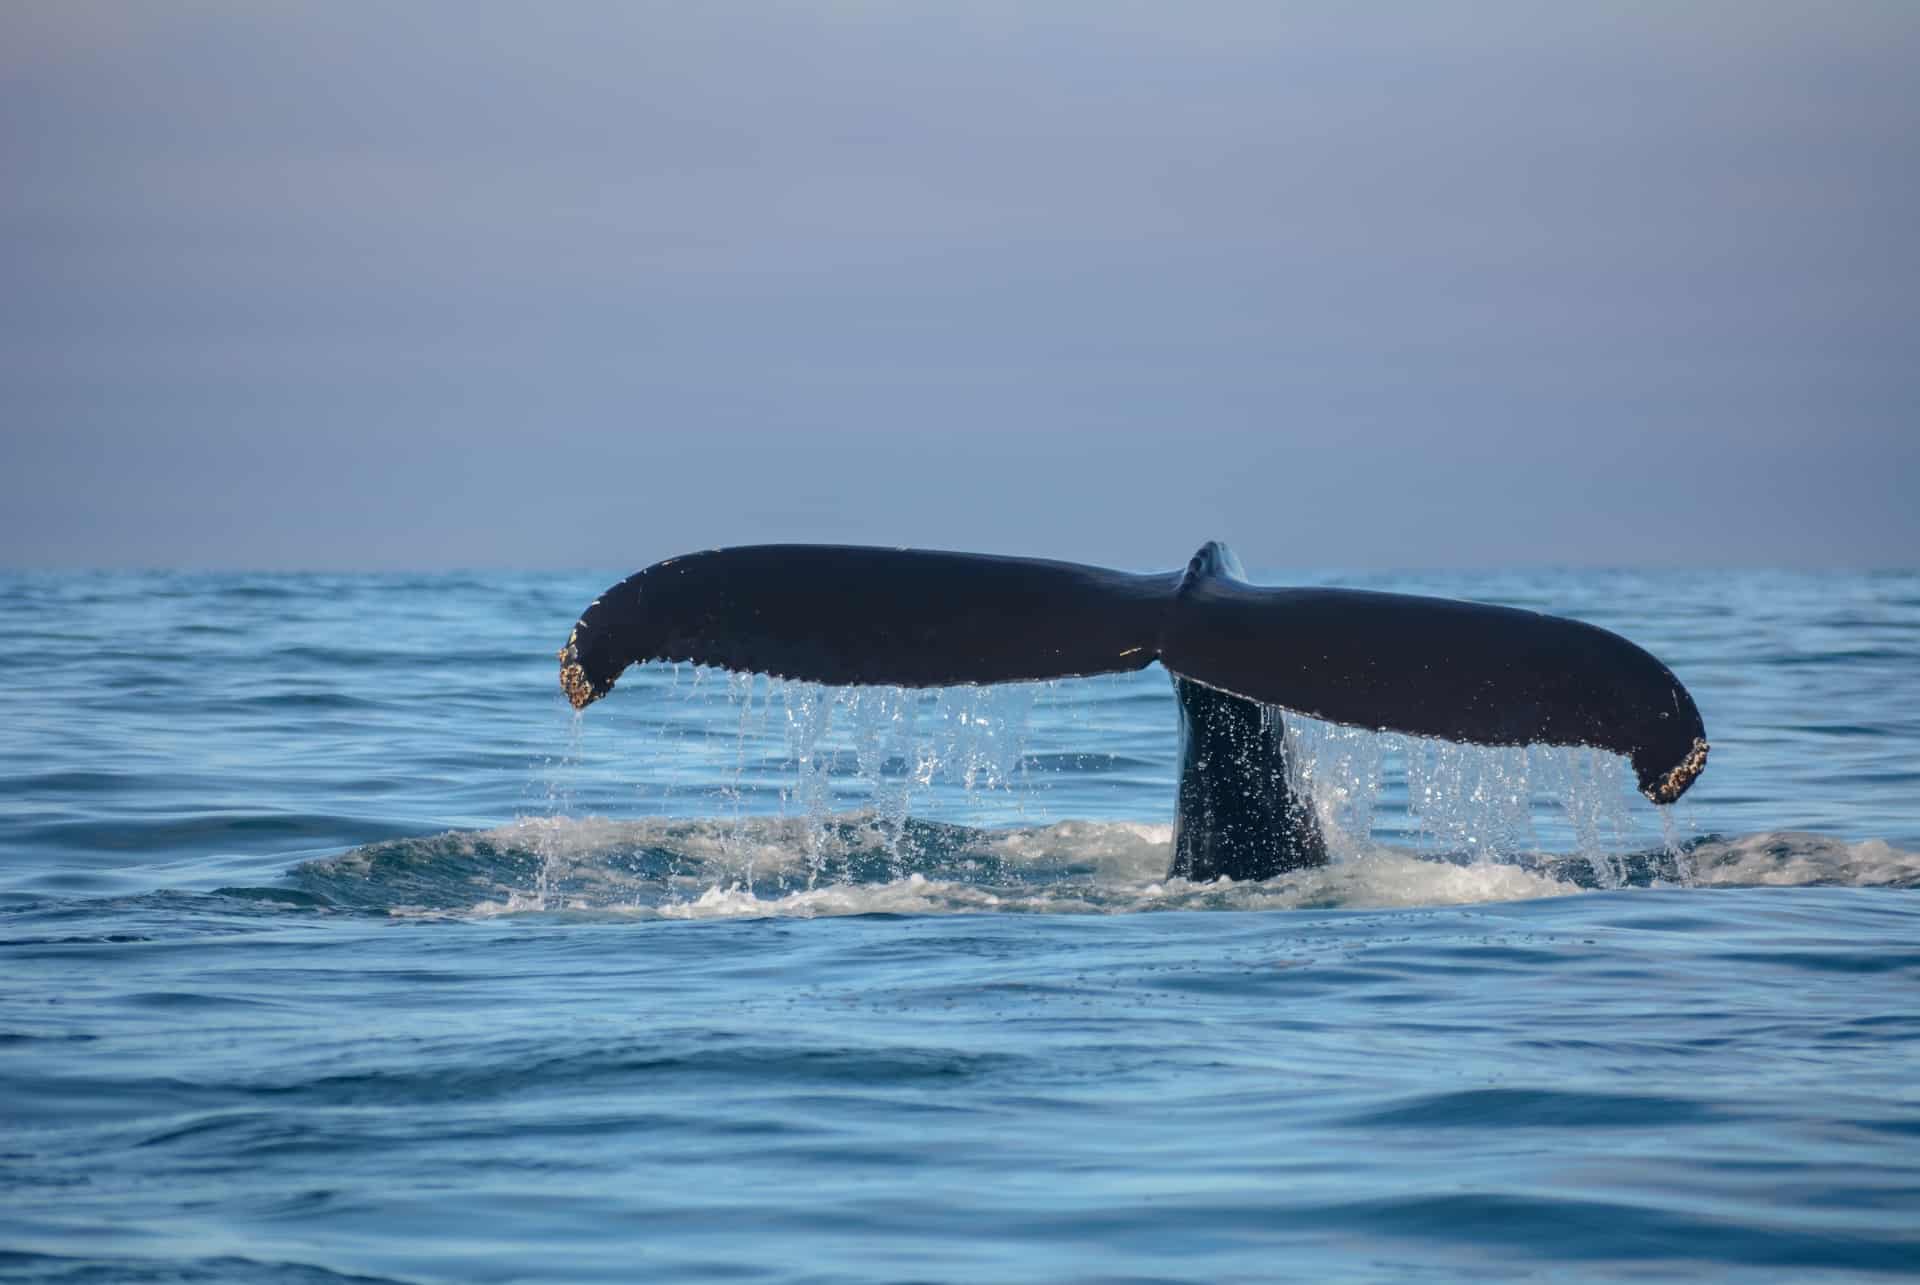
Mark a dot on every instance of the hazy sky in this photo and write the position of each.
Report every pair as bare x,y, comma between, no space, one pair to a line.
1423,284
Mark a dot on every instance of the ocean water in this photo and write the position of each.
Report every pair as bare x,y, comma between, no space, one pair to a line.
333,946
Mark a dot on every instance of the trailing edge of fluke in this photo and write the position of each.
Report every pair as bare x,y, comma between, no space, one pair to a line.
1461,671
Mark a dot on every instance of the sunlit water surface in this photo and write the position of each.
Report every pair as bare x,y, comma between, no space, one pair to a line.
333,946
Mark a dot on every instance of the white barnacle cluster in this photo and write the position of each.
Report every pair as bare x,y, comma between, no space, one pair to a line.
1674,784
573,675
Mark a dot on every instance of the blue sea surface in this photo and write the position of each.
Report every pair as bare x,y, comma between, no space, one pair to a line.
334,946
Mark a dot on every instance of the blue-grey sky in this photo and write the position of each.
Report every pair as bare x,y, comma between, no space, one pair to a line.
314,284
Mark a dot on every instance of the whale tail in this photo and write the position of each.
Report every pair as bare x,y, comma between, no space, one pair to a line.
1461,671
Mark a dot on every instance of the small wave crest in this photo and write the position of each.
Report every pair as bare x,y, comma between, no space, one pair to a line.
858,863
1791,859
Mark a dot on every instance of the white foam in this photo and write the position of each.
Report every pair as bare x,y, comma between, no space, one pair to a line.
1118,850
865,863
1069,867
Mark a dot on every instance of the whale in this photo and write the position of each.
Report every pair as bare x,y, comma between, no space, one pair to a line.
1242,657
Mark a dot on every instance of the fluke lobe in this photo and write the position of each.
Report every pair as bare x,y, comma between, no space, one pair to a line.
1239,654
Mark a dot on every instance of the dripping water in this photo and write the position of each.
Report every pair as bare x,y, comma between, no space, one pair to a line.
738,750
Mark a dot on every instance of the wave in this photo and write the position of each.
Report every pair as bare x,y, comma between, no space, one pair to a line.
860,863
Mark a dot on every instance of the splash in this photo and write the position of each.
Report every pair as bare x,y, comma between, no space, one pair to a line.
809,799
680,869
851,865
883,749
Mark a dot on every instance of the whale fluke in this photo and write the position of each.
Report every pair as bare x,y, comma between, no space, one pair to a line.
1461,671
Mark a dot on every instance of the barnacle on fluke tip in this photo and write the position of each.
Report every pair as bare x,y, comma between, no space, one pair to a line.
573,681
573,675
1675,783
